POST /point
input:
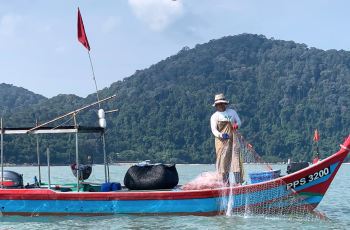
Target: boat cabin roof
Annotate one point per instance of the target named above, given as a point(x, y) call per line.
point(54, 130)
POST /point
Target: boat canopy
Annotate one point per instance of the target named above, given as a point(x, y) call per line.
point(43, 129)
point(54, 130)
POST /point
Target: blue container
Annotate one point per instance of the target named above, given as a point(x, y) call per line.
point(107, 187)
point(264, 176)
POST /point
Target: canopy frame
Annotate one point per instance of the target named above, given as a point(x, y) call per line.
point(55, 130)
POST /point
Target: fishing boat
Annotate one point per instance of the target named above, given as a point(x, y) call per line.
point(303, 189)
point(298, 191)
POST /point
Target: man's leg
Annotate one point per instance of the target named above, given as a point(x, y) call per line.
point(226, 178)
point(238, 177)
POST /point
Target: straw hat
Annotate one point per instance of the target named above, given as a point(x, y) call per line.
point(219, 98)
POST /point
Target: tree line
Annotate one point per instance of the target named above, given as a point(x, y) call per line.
point(281, 90)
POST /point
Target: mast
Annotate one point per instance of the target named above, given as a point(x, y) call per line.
point(48, 166)
point(82, 38)
point(37, 152)
point(76, 151)
point(105, 156)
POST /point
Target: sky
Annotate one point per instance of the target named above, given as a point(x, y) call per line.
point(39, 49)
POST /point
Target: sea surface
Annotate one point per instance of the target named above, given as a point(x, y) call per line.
point(335, 205)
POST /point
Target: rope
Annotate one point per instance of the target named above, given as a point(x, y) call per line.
point(93, 74)
point(65, 121)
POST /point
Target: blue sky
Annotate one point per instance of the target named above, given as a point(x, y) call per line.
point(39, 49)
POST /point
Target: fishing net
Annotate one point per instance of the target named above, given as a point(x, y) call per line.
point(206, 180)
point(87, 149)
point(251, 198)
point(84, 171)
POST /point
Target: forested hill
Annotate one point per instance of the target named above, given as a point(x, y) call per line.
point(281, 90)
point(13, 99)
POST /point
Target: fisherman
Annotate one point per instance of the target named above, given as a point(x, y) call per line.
point(224, 125)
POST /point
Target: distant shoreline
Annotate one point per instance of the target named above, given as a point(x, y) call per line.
point(128, 164)
point(114, 164)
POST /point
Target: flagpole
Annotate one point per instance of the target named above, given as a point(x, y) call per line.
point(103, 136)
point(83, 40)
point(93, 74)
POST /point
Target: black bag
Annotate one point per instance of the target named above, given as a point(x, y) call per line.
point(294, 167)
point(150, 177)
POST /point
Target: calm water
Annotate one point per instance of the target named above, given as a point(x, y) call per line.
point(335, 206)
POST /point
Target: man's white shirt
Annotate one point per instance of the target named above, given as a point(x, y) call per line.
point(227, 115)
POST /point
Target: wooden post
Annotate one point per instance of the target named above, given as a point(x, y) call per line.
point(112, 111)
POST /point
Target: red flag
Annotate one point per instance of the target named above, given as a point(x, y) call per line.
point(81, 32)
point(317, 137)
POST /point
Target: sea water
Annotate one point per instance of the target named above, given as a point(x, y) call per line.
point(335, 205)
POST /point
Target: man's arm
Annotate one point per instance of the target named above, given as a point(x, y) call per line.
point(235, 119)
point(214, 125)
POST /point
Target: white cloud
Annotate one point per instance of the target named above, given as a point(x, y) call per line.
point(8, 24)
point(111, 23)
point(157, 14)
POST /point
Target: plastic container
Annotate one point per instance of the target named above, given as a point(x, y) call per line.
point(103, 123)
point(108, 187)
point(264, 176)
point(101, 113)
